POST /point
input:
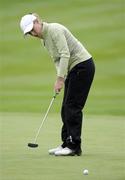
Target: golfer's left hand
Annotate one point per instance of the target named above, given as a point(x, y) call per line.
point(59, 84)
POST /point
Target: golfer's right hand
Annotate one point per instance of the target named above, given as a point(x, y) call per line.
point(59, 84)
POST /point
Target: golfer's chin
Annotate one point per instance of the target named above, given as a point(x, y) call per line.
point(38, 36)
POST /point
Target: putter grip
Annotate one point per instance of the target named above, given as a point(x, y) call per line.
point(55, 95)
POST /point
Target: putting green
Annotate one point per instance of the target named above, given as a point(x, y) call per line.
point(103, 149)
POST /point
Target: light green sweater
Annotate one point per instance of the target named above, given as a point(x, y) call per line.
point(63, 47)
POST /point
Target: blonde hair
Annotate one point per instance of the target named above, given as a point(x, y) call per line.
point(37, 16)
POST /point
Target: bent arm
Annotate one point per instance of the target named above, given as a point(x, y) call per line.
point(64, 54)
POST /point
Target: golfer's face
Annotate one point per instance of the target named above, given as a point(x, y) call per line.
point(36, 31)
point(33, 33)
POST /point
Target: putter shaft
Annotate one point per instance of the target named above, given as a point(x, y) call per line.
point(44, 118)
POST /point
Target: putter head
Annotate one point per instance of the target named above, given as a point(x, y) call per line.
point(32, 145)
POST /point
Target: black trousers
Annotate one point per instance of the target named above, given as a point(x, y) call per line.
point(77, 86)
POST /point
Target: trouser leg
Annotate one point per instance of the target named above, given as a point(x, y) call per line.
point(64, 133)
point(77, 87)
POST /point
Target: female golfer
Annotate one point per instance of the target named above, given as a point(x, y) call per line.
point(75, 71)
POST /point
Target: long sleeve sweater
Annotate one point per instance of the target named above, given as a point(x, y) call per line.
point(65, 50)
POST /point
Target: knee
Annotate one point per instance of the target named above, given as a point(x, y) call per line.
point(72, 108)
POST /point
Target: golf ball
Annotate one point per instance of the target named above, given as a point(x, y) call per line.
point(85, 172)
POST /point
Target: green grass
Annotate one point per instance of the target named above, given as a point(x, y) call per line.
point(27, 76)
point(27, 73)
point(103, 149)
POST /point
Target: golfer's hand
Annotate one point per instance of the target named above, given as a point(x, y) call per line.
point(59, 84)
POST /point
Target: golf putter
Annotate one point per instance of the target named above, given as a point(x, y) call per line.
point(34, 144)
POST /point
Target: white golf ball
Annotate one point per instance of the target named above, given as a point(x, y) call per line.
point(85, 172)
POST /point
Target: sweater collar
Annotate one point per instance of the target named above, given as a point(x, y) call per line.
point(44, 30)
